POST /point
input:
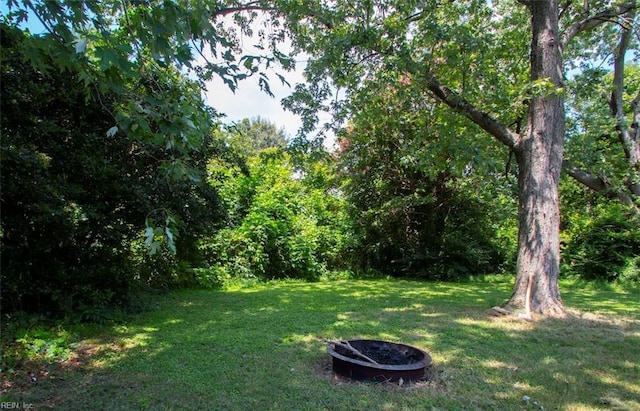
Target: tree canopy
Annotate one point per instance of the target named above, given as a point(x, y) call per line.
point(249, 136)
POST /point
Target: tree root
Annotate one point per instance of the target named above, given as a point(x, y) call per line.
point(550, 311)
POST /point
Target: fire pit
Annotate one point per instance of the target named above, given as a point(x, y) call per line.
point(377, 360)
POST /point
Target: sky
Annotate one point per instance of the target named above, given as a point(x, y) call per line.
point(249, 101)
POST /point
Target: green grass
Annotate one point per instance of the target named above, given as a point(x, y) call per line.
point(261, 348)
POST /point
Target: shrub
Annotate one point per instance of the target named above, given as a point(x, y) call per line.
point(603, 243)
point(284, 224)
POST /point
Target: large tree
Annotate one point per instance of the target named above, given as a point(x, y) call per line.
point(472, 57)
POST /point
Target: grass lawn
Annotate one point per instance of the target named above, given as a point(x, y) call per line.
point(262, 348)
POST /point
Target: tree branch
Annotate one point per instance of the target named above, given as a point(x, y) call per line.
point(617, 102)
point(60, 39)
point(251, 6)
point(596, 20)
point(585, 178)
point(628, 135)
point(443, 93)
point(599, 185)
point(494, 127)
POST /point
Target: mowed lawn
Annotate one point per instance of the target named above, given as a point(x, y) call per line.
point(263, 348)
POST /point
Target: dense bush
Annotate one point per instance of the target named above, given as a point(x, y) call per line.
point(425, 190)
point(284, 221)
point(412, 221)
point(435, 230)
point(75, 198)
point(602, 242)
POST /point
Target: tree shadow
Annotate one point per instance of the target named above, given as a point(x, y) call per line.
point(264, 348)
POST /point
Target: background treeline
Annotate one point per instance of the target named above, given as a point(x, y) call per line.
point(82, 201)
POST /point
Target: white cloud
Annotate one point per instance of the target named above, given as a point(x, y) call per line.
point(249, 101)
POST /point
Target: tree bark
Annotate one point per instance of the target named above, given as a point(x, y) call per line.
point(539, 154)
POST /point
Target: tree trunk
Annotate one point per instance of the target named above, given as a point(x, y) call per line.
point(539, 155)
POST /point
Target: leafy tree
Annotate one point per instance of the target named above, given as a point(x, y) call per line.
point(418, 202)
point(127, 61)
point(75, 198)
point(285, 221)
point(602, 145)
point(599, 239)
point(117, 47)
point(472, 58)
point(594, 142)
point(600, 234)
point(252, 135)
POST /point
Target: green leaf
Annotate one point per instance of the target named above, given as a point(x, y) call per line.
point(112, 131)
point(148, 234)
point(248, 63)
point(170, 242)
point(81, 45)
point(107, 57)
point(283, 80)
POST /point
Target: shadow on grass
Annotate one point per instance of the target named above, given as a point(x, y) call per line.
point(263, 348)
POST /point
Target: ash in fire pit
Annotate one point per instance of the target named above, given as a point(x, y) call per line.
point(378, 360)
